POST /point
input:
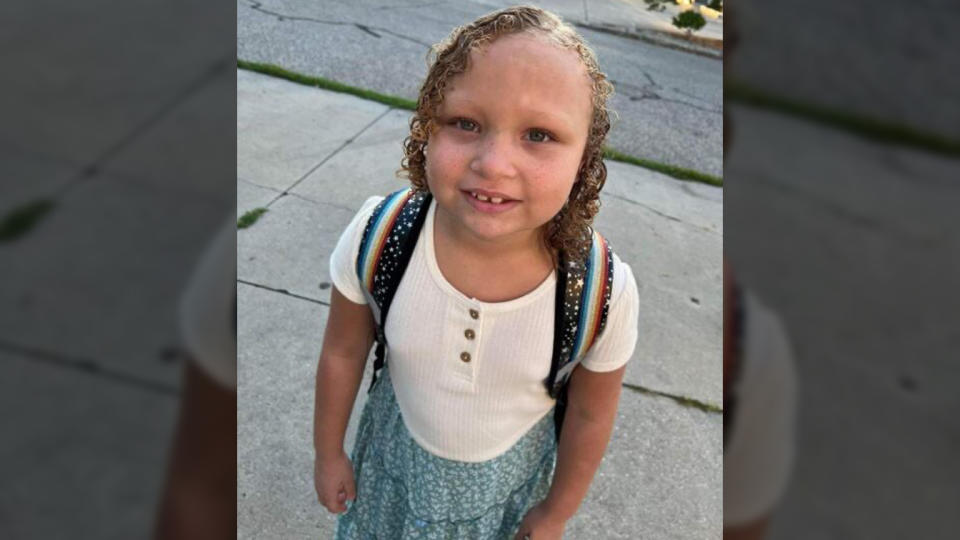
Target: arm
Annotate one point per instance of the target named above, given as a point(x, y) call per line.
point(591, 410)
point(346, 343)
point(200, 495)
point(751, 531)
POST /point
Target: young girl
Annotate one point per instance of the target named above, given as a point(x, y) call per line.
point(457, 438)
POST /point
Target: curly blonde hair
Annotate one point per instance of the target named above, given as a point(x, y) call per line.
point(569, 231)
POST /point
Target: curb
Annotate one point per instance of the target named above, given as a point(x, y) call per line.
point(654, 37)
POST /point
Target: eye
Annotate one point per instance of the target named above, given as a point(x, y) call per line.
point(466, 125)
point(539, 135)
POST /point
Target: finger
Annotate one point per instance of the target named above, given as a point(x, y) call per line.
point(351, 488)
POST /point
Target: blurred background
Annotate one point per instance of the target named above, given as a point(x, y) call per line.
point(840, 186)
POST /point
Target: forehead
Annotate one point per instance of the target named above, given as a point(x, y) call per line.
point(526, 70)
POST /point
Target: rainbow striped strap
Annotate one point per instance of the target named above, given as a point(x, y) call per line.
point(386, 246)
point(586, 302)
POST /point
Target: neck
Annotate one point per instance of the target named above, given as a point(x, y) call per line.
point(521, 243)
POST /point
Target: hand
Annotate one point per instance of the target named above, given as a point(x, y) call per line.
point(333, 480)
point(539, 524)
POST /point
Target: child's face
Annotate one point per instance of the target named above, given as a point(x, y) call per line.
point(514, 125)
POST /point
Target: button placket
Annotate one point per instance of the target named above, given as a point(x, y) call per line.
point(469, 342)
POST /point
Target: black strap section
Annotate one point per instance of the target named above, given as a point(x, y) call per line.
point(566, 320)
point(390, 273)
point(559, 314)
point(738, 333)
point(560, 410)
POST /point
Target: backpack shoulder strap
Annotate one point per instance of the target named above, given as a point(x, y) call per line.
point(388, 240)
point(735, 367)
point(580, 315)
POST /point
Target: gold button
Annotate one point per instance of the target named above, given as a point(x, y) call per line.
point(465, 356)
point(469, 333)
point(474, 313)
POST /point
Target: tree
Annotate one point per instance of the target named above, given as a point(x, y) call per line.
point(716, 4)
point(690, 21)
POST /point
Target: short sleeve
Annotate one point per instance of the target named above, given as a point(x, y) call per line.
point(759, 454)
point(343, 260)
point(208, 309)
point(619, 338)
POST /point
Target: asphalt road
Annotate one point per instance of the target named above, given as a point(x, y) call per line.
point(669, 102)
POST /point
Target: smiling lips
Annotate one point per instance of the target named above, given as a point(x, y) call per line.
point(489, 202)
point(489, 197)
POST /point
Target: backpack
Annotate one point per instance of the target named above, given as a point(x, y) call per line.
point(582, 294)
point(730, 398)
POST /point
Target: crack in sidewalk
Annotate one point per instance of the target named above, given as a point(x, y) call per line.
point(284, 292)
point(648, 92)
point(367, 29)
point(661, 214)
point(88, 366)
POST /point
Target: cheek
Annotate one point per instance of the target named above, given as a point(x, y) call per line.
point(444, 161)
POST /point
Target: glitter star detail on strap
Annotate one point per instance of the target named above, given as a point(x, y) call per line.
point(586, 301)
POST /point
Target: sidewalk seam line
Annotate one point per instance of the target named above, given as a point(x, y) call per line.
point(87, 366)
point(661, 214)
point(328, 158)
point(134, 134)
point(283, 292)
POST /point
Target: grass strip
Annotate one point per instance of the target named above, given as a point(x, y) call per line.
point(679, 173)
point(685, 401)
point(870, 128)
point(250, 217)
point(21, 220)
point(327, 84)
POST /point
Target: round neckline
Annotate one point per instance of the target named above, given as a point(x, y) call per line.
point(446, 286)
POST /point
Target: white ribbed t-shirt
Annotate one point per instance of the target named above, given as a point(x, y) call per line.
point(475, 410)
point(760, 451)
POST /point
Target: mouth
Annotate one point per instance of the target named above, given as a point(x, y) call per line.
point(489, 202)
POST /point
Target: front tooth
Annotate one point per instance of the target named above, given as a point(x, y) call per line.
point(482, 197)
point(496, 200)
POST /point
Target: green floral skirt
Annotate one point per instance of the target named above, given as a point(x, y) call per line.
point(405, 492)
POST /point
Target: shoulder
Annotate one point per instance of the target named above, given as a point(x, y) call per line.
point(759, 455)
point(624, 288)
point(367, 208)
point(768, 355)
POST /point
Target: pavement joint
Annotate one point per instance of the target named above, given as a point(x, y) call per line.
point(13, 224)
point(88, 366)
point(254, 184)
point(284, 292)
point(324, 203)
point(92, 168)
point(659, 213)
point(335, 152)
point(680, 400)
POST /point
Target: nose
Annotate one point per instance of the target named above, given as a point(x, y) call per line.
point(495, 157)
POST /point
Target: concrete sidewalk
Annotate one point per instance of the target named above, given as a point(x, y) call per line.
point(669, 102)
point(311, 157)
